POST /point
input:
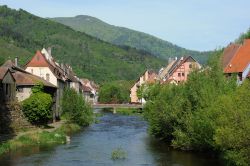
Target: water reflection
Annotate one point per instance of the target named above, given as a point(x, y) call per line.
point(93, 147)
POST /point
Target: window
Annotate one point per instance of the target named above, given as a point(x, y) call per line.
point(32, 71)
point(20, 90)
point(183, 74)
point(190, 66)
point(179, 74)
point(47, 77)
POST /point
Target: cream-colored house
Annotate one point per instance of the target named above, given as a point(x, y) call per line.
point(146, 78)
point(43, 65)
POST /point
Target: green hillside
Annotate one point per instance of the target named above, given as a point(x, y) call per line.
point(128, 37)
point(22, 33)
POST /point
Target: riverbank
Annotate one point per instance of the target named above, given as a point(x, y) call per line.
point(54, 134)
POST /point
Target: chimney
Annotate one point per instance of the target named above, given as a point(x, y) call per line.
point(182, 58)
point(49, 50)
point(16, 61)
point(176, 58)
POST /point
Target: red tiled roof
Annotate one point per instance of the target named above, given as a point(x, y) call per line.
point(228, 54)
point(39, 60)
point(240, 60)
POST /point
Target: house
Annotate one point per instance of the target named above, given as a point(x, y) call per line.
point(87, 94)
point(148, 77)
point(90, 90)
point(178, 70)
point(23, 81)
point(7, 85)
point(43, 65)
point(236, 60)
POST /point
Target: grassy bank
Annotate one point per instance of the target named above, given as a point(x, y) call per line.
point(40, 138)
point(128, 111)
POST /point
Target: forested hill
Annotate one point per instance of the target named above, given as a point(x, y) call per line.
point(22, 33)
point(128, 37)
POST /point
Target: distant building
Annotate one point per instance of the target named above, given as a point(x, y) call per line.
point(90, 90)
point(236, 60)
point(147, 77)
point(178, 70)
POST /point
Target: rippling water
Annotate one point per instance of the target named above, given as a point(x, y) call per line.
point(94, 145)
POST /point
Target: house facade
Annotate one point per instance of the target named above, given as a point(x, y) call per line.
point(43, 65)
point(237, 61)
point(177, 70)
point(147, 77)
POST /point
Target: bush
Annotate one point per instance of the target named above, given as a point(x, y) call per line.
point(207, 113)
point(75, 109)
point(118, 153)
point(37, 108)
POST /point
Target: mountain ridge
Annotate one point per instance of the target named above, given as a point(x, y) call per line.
point(124, 36)
point(22, 32)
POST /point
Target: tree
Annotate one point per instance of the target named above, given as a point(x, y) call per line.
point(115, 92)
point(37, 108)
point(77, 110)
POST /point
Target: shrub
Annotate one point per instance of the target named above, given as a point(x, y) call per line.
point(37, 108)
point(118, 153)
point(75, 109)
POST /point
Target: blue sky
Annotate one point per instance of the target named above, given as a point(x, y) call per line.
point(192, 24)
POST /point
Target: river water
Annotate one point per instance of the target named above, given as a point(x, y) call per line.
point(94, 145)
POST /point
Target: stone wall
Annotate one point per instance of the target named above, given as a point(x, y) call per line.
point(12, 118)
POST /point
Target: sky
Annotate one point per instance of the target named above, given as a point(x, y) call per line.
point(193, 24)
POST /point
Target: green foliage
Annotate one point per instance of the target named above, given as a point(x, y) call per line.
point(128, 111)
point(21, 34)
point(40, 138)
point(232, 133)
point(127, 37)
point(207, 113)
point(243, 36)
point(118, 153)
point(37, 108)
point(75, 109)
point(115, 92)
point(1, 60)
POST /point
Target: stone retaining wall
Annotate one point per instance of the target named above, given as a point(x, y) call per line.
point(12, 118)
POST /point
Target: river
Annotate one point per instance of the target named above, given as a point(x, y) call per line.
point(94, 145)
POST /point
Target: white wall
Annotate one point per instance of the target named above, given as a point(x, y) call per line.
point(245, 72)
point(41, 72)
point(26, 92)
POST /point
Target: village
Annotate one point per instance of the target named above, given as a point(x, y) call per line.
point(17, 82)
point(235, 61)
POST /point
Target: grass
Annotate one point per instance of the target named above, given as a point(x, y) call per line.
point(41, 138)
point(128, 111)
point(118, 153)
